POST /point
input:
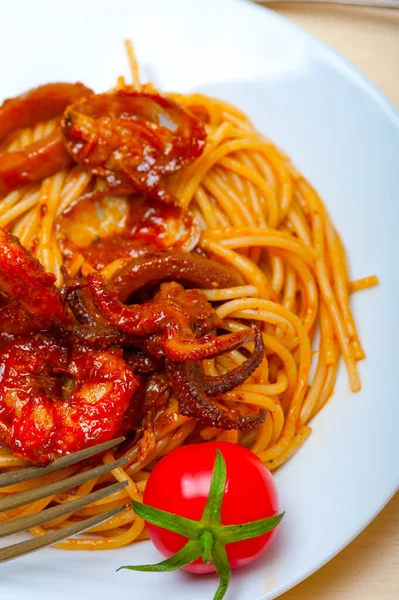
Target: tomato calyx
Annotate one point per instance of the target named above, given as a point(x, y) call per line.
point(207, 538)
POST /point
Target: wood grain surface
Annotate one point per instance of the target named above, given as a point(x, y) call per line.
point(368, 569)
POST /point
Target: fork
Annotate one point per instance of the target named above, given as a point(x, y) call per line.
point(21, 524)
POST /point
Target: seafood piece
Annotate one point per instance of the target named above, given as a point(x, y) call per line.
point(191, 270)
point(105, 226)
point(194, 402)
point(33, 163)
point(36, 421)
point(177, 340)
point(132, 137)
point(25, 284)
point(193, 306)
point(46, 156)
point(142, 363)
point(192, 388)
point(88, 327)
point(39, 104)
point(220, 384)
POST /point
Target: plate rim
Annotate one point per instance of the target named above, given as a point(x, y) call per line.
point(347, 70)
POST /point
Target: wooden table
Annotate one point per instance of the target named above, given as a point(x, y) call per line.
point(368, 569)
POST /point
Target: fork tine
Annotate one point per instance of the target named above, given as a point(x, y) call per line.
point(14, 501)
point(23, 548)
point(24, 523)
point(7, 479)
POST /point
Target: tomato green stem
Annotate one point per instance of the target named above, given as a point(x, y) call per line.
point(222, 566)
point(191, 551)
point(247, 531)
point(186, 527)
point(207, 543)
point(207, 538)
point(213, 506)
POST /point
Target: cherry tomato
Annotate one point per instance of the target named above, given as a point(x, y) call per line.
point(180, 484)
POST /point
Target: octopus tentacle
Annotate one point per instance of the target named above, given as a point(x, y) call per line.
point(33, 163)
point(221, 384)
point(193, 402)
point(39, 104)
point(188, 269)
point(43, 157)
point(177, 340)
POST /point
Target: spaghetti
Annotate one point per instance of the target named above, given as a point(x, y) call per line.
point(261, 218)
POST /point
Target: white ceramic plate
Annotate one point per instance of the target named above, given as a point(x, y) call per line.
point(344, 136)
